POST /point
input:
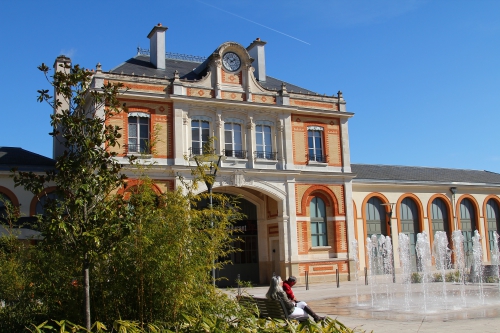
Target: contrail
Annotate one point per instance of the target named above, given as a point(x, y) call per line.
point(300, 40)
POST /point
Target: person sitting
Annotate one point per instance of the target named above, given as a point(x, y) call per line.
point(276, 292)
point(287, 288)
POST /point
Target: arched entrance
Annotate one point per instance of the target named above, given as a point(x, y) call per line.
point(244, 262)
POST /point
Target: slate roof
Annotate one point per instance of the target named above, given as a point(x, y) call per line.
point(24, 160)
point(140, 65)
point(422, 174)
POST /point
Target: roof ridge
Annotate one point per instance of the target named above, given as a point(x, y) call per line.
point(420, 167)
point(286, 82)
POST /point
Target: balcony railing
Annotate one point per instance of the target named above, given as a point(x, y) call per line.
point(320, 158)
point(200, 151)
point(235, 153)
point(138, 148)
point(265, 155)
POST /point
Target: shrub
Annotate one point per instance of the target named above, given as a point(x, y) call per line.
point(416, 277)
point(437, 277)
point(452, 276)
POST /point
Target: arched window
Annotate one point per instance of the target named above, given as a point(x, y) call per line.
point(40, 205)
point(439, 216)
point(468, 225)
point(409, 225)
point(318, 222)
point(493, 218)
point(3, 209)
point(375, 218)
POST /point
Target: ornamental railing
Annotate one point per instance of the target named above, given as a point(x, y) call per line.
point(138, 148)
point(265, 155)
point(200, 151)
point(174, 56)
point(235, 153)
point(317, 158)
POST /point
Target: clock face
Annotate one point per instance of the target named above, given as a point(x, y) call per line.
point(231, 61)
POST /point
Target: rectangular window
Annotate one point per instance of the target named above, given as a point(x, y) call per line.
point(200, 132)
point(263, 144)
point(317, 210)
point(318, 233)
point(233, 141)
point(138, 135)
point(315, 145)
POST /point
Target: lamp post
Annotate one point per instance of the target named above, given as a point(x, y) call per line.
point(390, 205)
point(209, 180)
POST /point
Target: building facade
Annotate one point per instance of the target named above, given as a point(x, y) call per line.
point(286, 153)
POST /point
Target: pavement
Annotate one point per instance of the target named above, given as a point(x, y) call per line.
point(350, 304)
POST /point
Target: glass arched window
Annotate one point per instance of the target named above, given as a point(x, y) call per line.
point(409, 225)
point(375, 218)
point(40, 205)
point(493, 218)
point(318, 222)
point(468, 226)
point(3, 209)
point(439, 216)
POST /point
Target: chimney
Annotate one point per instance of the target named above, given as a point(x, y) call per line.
point(256, 51)
point(157, 46)
point(60, 65)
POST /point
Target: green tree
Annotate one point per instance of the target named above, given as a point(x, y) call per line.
point(87, 219)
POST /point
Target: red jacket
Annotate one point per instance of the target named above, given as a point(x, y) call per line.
point(288, 290)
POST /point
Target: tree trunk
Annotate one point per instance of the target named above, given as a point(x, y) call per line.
point(86, 284)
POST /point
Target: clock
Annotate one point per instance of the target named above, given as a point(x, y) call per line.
point(231, 61)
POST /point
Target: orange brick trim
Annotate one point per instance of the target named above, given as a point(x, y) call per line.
point(331, 138)
point(234, 96)
point(340, 238)
point(36, 198)
point(197, 92)
point(10, 195)
point(334, 194)
point(273, 230)
point(263, 99)
point(131, 183)
point(451, 225)
point(138, 86)
point(485, 221)
point(232, 78)
point(168, 184)
point(311, 104)
point(303, 237)
point(323, 268)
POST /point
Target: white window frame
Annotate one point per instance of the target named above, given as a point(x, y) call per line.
point(136, 148)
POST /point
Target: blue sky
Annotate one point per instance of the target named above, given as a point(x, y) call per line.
point(422, 77)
